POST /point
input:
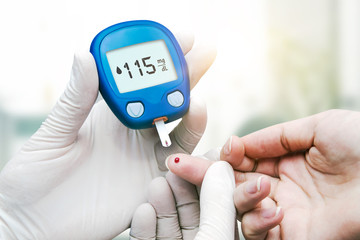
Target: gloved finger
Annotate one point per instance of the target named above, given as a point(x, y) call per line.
point(143, 224)
point(187, 133)
point(256, 223)
point(217, 216)
point(199, 59)
point(161, 198)
point(212, 154)
point(187, 205)
point(190, 168)
point(186, 40)
point(249, 194)
point(69, 113)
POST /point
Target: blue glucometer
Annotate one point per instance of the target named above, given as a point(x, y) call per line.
point(143, 76)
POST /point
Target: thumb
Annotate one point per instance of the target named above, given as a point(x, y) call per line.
point(71, 110)
point(31, 173)
point(217, 210)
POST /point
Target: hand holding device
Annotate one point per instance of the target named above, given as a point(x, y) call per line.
point(83, 173)
point(173, 210)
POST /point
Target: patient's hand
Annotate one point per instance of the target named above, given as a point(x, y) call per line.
point(313, 174)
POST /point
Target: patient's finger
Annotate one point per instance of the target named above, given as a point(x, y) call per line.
point(190, 168)
point(242, 178)
point(281, 139)
point(249, 194)
point(234, 152)
point(257, 223)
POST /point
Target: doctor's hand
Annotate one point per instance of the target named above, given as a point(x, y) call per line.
point(314, 169)
point(83, 173)
point(173, 210)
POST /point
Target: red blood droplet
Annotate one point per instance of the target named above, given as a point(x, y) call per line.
point(177, 160)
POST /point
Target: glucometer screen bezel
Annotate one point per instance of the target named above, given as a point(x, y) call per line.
point(142, 65)
point(132, 35)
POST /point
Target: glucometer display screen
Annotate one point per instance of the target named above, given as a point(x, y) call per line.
point(141, 66)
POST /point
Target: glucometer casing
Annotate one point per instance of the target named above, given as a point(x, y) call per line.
point(137, 109)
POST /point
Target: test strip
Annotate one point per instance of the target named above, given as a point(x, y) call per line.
point(163, 134)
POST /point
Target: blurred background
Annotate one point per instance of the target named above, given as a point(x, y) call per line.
point(277, 59)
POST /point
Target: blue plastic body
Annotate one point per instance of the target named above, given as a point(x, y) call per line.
point(154, 99)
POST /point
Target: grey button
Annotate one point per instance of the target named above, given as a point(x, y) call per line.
point(135, 109)
point(176, 99)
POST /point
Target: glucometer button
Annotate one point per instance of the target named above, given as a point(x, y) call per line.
point(176, 99)
point(135, 109)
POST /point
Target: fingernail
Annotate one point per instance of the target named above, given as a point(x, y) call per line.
point(227, 146)
point(253, 187)
point(277, 211)
point(258, 183)
point(166, 162)
point(271, 212)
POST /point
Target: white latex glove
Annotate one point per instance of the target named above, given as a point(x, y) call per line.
point(82, 174)
point(173, 209)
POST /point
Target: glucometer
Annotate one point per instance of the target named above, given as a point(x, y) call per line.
point(143, 76)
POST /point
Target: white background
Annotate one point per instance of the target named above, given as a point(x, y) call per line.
point(265, 66)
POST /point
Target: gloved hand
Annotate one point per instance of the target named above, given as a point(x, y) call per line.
point(83, 173)
point(173, 209)
point(255, 209)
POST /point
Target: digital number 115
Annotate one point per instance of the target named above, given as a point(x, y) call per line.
point(149, 66)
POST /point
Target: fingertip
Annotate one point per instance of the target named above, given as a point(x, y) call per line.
point(157, 187)
point(264, 185)
point(219, 169)
point(250, 193)
point(75, 104)
point(207, 49)
point(222, 170)
point(279, 213)
point(199, 60)
point(191, 169)
point(216, 203)
point(83, 56)
point(186, 40)
point(271, 217)
point(84, 79)
point(226, 149)
point(143, 213)
point(143, 224)
point(213, 154)
point(257, 223)
point(233, 151)
point(84, 70)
